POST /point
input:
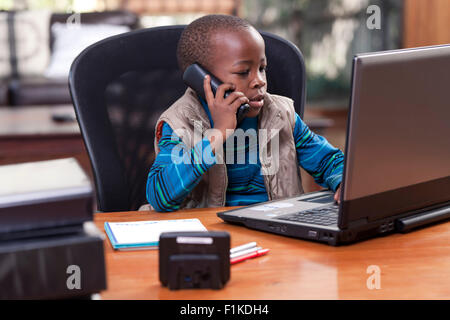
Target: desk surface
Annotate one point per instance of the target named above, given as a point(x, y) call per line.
point(28, 133)
point(36, 121)
point(413, 266)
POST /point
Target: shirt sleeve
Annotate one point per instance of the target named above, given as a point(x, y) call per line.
point(176, 170)
point(317, 156)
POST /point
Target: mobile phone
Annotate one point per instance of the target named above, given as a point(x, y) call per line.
point(193, 77)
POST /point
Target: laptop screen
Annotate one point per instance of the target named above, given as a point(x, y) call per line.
point(398, 142)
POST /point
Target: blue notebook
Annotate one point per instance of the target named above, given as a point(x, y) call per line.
point(139, 235)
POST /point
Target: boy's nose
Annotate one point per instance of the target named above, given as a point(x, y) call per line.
point(258, 82)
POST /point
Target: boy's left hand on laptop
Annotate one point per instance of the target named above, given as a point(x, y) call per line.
point(337, 195)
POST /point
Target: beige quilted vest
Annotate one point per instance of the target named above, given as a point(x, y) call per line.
point(277, 116)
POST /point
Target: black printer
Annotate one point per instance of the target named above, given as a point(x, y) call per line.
point(49, 246)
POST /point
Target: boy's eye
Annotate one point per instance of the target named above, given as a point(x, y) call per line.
point(243, 72)
point(262, 68)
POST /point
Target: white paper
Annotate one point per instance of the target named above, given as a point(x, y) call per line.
point(149, 231)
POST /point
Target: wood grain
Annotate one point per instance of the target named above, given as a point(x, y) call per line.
point(29, 134)
point(426, 23)
point(413, 266)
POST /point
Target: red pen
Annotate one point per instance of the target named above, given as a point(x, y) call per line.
point(249, 256)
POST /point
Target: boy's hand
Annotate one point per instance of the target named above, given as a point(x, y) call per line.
point(337, 195)
point(223, 110)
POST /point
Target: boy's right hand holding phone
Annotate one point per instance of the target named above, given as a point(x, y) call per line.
point(223, 110)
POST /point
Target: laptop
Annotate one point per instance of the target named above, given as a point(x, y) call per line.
point(397, 157)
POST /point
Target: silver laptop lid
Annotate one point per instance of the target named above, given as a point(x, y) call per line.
point(398, 139)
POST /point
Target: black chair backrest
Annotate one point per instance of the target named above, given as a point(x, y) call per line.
point(121, 85)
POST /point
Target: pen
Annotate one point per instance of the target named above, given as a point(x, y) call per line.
point(244, 252)
point(249, 256)
point(243, 247)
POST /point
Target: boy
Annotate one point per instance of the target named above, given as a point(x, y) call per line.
point(232, 50)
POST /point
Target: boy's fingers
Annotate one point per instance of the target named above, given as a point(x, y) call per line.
point(337, 195)
point(233, 96)
point(222, 89)
point(238, 102)
point(209, 95)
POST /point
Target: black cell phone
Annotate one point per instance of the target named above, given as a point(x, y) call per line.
point(193, 77)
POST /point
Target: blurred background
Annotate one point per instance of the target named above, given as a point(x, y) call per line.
point(328, 33)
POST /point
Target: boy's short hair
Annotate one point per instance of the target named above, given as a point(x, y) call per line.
point(194, 44)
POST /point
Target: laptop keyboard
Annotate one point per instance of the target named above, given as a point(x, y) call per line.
point(324, 216)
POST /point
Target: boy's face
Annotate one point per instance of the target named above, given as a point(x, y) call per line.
point(238, 57)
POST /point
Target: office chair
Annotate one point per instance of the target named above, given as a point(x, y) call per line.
point(121, 85)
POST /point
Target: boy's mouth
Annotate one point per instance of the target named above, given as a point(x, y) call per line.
point(257, 101)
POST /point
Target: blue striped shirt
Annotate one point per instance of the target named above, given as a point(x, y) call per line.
point(245, 181)
point(176, 170)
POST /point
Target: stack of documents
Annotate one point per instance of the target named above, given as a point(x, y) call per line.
point(138, 235)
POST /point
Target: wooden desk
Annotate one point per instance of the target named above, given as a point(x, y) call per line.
point(413, 266)
point(29, 134)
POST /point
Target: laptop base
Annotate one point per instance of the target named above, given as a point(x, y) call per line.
point(334, 236)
